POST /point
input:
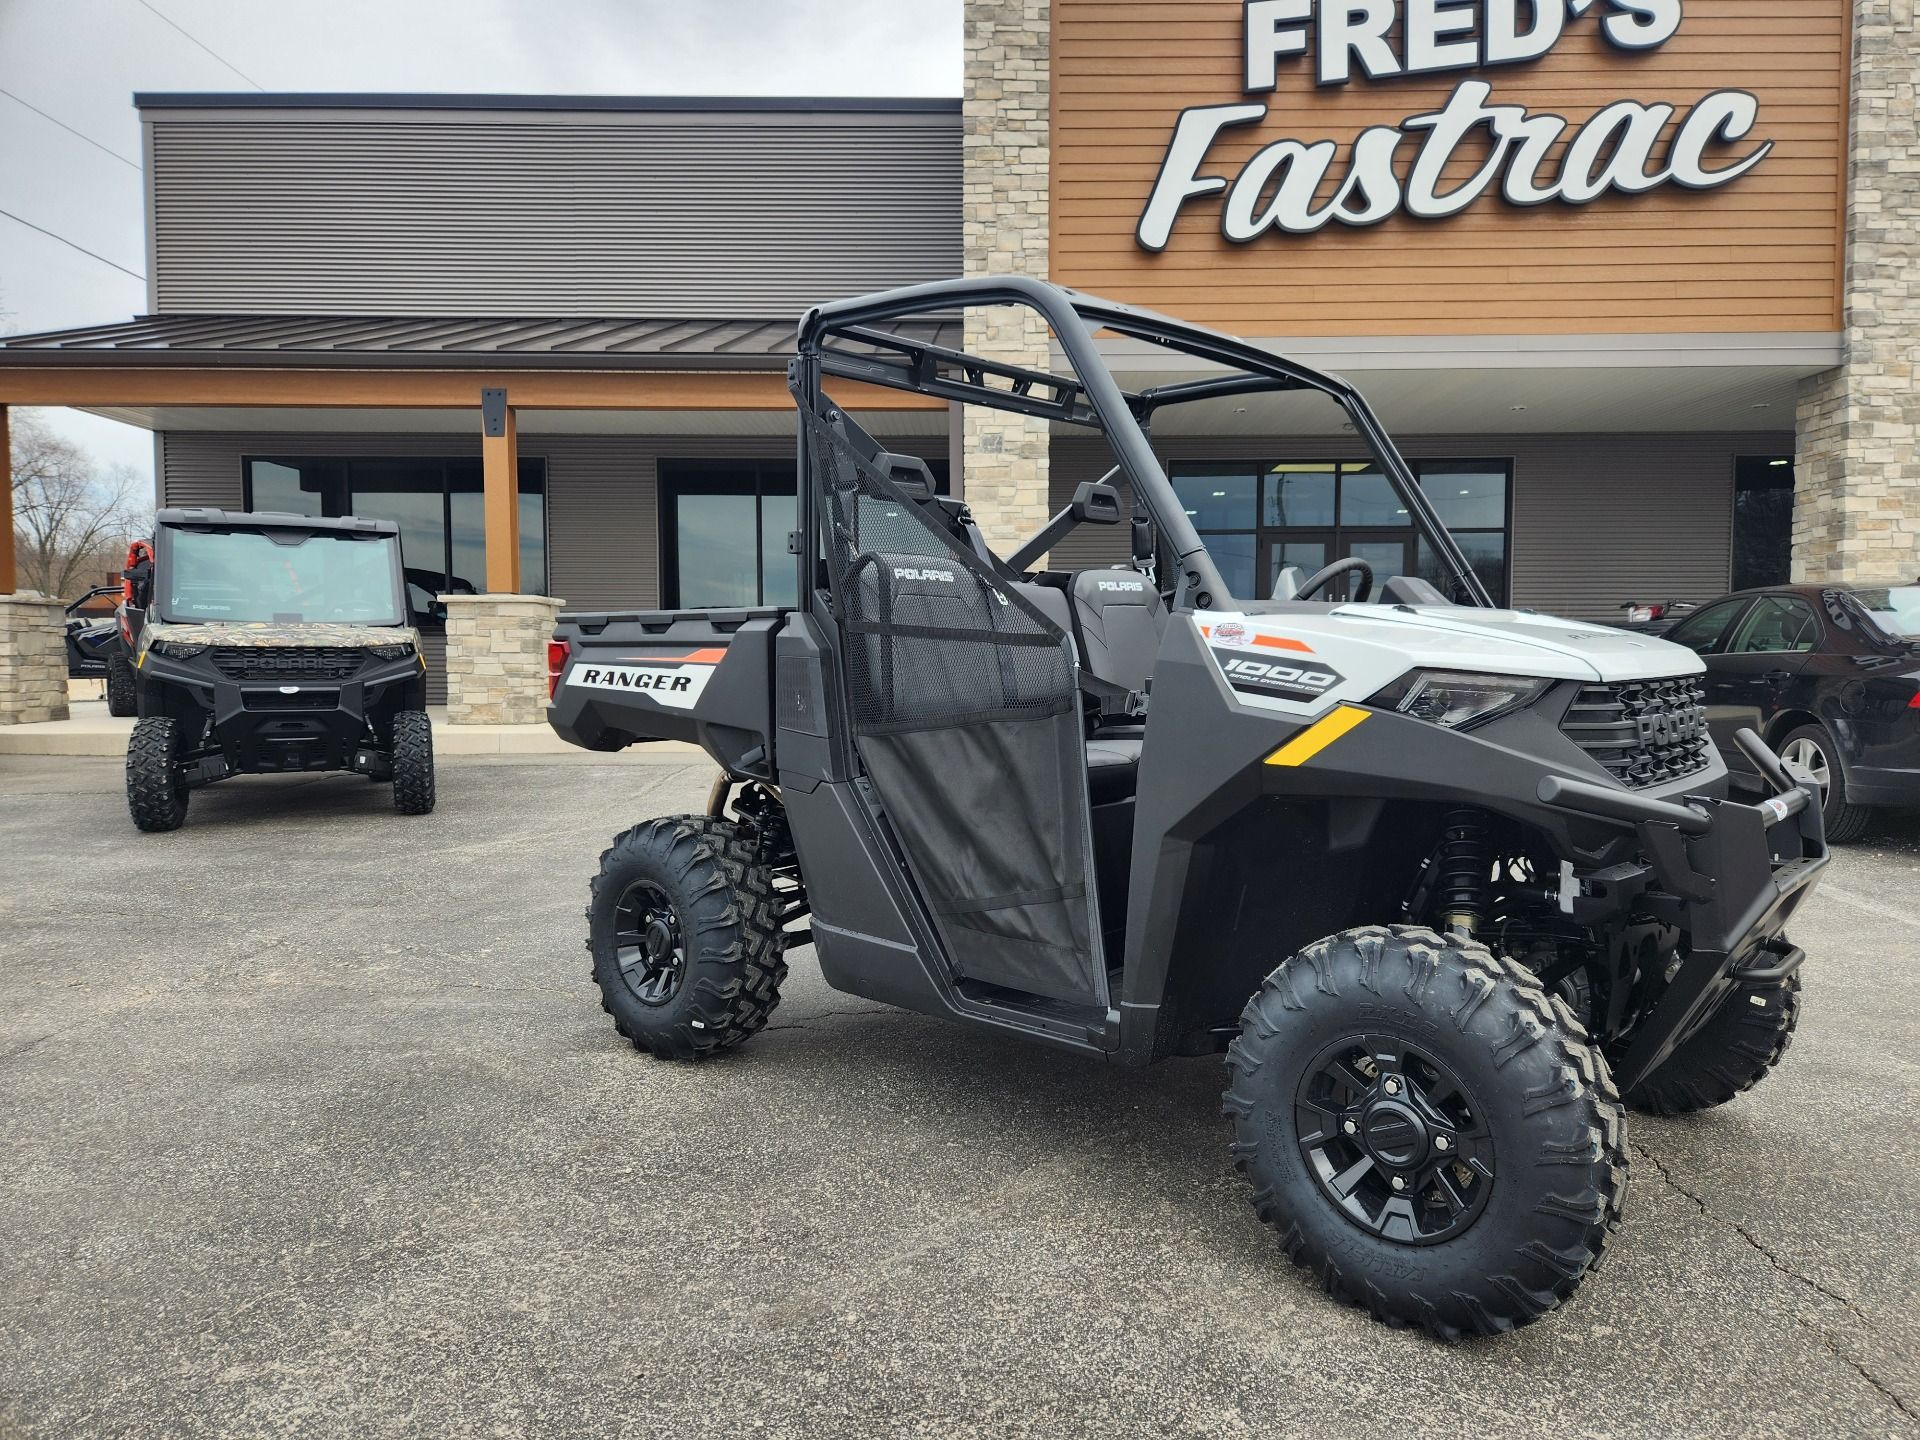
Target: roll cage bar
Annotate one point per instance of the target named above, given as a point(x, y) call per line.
point(1091, 399)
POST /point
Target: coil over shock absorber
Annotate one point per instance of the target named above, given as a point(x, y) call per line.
point(1465, 866)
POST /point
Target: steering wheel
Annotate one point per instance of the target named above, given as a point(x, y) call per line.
point(1318, 581)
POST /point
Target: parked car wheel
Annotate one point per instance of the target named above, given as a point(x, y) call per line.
point(1813, 750)
point(121, 697)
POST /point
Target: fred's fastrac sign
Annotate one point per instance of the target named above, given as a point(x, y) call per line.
point(1440, 161)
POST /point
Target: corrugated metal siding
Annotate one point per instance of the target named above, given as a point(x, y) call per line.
point(664, 216)
point(1597, 520)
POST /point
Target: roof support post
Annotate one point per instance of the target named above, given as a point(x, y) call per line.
point(500, 466)
point(9, 572)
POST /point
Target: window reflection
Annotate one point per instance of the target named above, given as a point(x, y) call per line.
point(439, 505)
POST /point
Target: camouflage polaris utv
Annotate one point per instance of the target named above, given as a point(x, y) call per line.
point(274, 644)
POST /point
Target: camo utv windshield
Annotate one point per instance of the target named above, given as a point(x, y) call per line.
point(280, 577)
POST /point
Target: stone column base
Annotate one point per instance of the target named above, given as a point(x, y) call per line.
point(497, 658)
point(33, 659)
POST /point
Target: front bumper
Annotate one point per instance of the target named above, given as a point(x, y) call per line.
point(266, 727)
point(1729, 875)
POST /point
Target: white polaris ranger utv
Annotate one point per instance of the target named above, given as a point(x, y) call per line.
point(1436, 877)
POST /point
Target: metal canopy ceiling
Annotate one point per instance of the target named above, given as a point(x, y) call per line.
point(444, 342)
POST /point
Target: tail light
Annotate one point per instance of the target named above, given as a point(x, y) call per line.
point(558, 652)
point(1914, 703)
point(1643, 614)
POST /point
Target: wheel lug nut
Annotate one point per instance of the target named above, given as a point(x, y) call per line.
point(1391, 1086)
point(1398, 1183)
point(1351, 1127)
point(1441, 1142)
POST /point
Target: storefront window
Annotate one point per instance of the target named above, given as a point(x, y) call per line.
point(1312, 512)
point(724, 527)
point(1219, 499)
point(438, 504)
point(1762, 521)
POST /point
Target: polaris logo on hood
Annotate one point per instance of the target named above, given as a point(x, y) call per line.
point(916, 572)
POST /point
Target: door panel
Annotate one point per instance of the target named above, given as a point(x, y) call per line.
point(1759, 673)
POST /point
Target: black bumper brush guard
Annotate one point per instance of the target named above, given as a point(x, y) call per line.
point(1720, 871)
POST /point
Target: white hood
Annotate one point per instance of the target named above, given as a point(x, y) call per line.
point(1376, 639)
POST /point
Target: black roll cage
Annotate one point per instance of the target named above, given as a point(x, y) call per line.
point(1092, 399)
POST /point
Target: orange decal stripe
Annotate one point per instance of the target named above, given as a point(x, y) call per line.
point(1282, 642)
point(692, 657)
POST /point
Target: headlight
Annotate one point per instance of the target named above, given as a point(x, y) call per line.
point(390, 652)
point(177, 649)
point(1459, 699)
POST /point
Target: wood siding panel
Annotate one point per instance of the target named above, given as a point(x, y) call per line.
point(1762, 253)
point(436, 213)
point(1597, 520)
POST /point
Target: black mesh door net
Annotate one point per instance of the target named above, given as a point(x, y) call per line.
point(966, 718)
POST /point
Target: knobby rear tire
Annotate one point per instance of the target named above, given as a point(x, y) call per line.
point(122, 693)
point(1545, 1094)
point(728, 916)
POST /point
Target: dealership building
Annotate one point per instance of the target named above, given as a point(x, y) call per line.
point(1631, 281)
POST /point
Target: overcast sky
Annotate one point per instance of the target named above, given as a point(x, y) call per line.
point(80, 61)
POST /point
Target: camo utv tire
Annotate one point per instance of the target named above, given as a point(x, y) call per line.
point(1432, 1136)
point(683, 925)
point(122, 697)
point(156, 797)
point(1726, 1057)
point(413, 782)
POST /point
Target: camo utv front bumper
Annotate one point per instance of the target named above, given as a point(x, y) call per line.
point(1729, 876)
point(279, 725)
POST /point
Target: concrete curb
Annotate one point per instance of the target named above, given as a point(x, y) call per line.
point(93, 732)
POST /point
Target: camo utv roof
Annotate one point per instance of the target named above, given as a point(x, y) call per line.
point(272, 519)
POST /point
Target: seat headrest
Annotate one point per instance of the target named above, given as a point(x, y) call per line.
point(1114, 587)
point(1411, 590)
point(912, 474)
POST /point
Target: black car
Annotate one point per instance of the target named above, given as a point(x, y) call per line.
point(1830, 676)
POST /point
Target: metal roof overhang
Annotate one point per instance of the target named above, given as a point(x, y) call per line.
point(161, 362)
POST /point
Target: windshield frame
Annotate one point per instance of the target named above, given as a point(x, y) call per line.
point(399, 617)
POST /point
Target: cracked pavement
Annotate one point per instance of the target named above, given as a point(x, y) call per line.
point(313, 1126)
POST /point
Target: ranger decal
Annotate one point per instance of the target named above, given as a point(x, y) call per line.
point(676, 684)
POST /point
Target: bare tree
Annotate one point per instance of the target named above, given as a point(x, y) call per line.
point(72, 516)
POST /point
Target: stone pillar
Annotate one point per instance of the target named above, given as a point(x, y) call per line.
point(33, 659)
point(1856, 511)
point(497, 658)
point(1005, 194)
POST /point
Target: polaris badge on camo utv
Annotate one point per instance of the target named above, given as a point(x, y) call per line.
point(1444, 882)
point(268, 644)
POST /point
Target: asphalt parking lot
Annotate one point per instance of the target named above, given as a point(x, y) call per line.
point(313, 1126)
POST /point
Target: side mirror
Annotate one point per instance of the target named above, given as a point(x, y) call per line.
point(1096, 503)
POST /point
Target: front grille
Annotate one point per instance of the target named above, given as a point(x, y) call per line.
point(1645, 732)
point(292, 662)
point(308, 699)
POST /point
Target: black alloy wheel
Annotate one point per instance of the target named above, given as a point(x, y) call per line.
point(1395, 1139)
point(648, 946)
